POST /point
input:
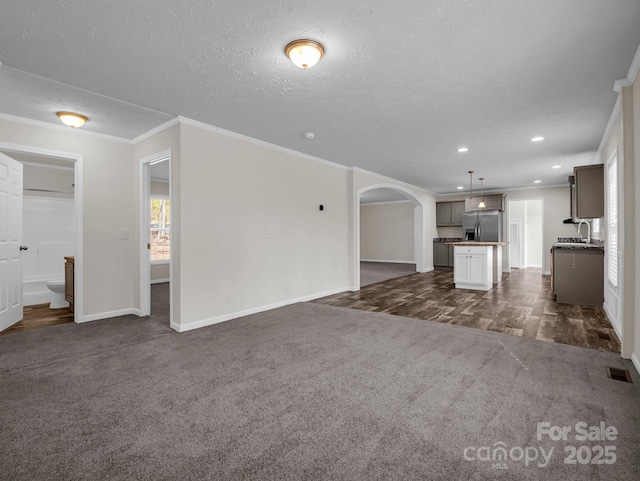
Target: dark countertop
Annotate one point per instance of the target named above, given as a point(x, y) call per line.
point(578, 246)
point(476, 244)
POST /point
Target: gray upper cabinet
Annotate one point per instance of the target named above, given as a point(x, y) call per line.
point(492, 202)
point(589, 191)
point(449, 214)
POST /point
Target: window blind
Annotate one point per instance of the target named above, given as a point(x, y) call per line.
point(612, 221)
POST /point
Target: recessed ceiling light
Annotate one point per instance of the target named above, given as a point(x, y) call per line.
point(537, 139)
point(309, 135)
point(556, 166)
point(460, 187)
point(463, 149)
point(537, 181)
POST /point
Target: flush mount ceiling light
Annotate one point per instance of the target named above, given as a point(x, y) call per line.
point(556, 166)
point(309, 135)
point(72, 119)
point(304, 53)
point(460, 187)
point(537, 139)
point(537, 181)
point(463, 149)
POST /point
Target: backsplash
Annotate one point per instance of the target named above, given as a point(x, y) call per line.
point(439, 240)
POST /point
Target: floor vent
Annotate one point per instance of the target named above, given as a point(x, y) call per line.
point(604, 335)
point(619, 374)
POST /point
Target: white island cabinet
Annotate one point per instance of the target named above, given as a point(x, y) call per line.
point(473, 267)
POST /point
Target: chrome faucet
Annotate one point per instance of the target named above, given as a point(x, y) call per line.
point(588, 230)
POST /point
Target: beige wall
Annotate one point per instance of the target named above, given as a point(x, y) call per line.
point(160, 188)
point(46, 178)
point(251, 231)
point(636, 210)
point(386, 232)
point(108, 207)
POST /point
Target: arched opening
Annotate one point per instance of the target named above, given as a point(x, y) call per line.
point(389, 232)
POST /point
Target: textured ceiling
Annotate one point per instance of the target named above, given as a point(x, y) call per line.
point(401, 86)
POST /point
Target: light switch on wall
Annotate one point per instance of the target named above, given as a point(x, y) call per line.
point(124, 234)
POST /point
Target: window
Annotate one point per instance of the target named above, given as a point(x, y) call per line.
point(160, 229)
point(612, 221)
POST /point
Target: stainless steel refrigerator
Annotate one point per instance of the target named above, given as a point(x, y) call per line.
point(482, 226)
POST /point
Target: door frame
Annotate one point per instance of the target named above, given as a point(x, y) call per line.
point(145, 235)
point(78, 173)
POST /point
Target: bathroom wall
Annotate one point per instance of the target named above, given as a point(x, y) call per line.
point(49, 233)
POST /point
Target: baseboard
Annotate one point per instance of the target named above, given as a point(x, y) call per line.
point(160, 281)
point(108, 315)
point(546, 273)
point(636, 362)
point(387, 262)
point(234, 315)
point(612, 320)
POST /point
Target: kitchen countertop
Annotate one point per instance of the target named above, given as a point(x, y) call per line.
point(473, 244)
point(577, 245)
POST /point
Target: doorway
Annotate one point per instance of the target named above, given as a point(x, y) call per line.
point(403, 254)
point(50, 229)
point(526, 233)
point(155, 228)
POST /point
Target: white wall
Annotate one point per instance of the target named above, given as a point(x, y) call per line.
point(251, 232)
point(386, 232)
point(108, 261)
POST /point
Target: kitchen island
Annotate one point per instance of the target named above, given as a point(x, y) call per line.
point(477, 265)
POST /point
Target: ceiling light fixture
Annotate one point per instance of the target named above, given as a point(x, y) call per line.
point(482, 205)
point(72, 119)
point(556, 166)
point(463, 149)
point(470, 184)
point(537, 181)
point(309, 135)
point(537, 139)
point(304, 53)
point(460, 187)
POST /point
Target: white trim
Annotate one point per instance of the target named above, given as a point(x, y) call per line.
point(47, 166)
point(636, 362)
point(634, 68)
point(615, 326)
point(462, 196)
point(386, 202)
point(160, 181)
point(388, 262)
point(391, 181)
point(160, 281)
point(156, 130)
point(61, 128)
point(608, 129)
point(108, 315)
point(251, 140)
point(145, 262)
point(78, 294)
point(546, 273)
point(618, 85)
point(234, 315)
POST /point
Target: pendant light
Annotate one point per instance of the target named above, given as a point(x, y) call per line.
point(470, 185)
point(482, 205)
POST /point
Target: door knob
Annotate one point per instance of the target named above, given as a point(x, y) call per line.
point(24, 248)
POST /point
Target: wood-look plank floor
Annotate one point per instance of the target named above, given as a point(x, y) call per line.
point(521, 305)
point(38, 316)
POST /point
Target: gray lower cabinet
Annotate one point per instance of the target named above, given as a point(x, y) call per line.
point(442, 255)
point(578, 276)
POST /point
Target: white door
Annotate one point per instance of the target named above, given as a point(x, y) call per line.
point(10, 241)
point(514, 244)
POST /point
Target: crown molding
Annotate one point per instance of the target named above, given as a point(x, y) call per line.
point(62, 128)
point(156, 130)
point(251, 140)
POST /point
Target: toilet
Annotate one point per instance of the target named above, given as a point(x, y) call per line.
point(57, 294)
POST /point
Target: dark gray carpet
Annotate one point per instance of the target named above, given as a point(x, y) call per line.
point(302, 392)
point(374, 272)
